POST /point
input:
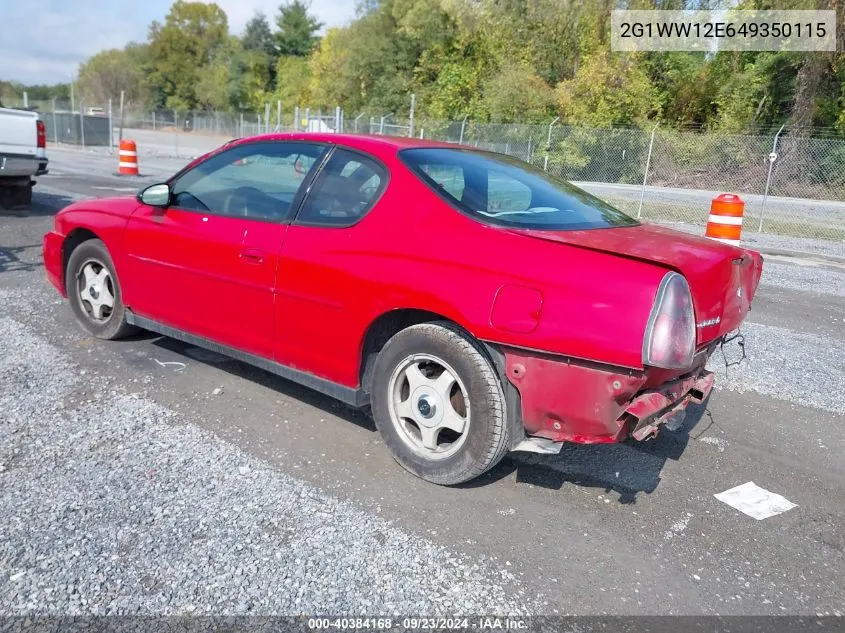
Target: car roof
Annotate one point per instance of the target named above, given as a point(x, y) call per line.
point(360, 141)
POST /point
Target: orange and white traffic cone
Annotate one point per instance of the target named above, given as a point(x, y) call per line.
point(725, 221)
point(128, 162)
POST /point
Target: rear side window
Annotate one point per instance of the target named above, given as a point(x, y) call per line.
point(500, 190)
point(450, 178)
point(345, 190)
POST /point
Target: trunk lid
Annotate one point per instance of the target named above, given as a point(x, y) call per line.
point(722, 278)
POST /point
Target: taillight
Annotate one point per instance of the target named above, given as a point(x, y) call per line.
point(670, 334)
point(42, 133)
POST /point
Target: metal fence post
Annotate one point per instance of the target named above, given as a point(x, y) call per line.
point(772, 158)
point(154, 120)
point(337, 119)
point(176, 133)
point(307, 119)
point(81, 123)
point(278, 115)
point(111, 130)
point(645, 175)
point(267, 118)
point(549, 143)
point(528, 154)
point(463, 127)
point(356, 122)
point(55, 124)
point(411, 124)
point(120, 137)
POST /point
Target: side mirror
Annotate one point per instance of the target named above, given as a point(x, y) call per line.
point(155, 195)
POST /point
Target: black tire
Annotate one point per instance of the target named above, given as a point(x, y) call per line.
point(114, 326)
point(487, 439)
point(16, 197)
point(24, 197)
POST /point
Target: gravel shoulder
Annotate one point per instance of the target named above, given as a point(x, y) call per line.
point(116, 505)
point(142, 460)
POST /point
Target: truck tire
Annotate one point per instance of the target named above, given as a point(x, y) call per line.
point(439, 405)
point(24, 196)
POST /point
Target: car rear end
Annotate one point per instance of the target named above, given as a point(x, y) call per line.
point(699, 304)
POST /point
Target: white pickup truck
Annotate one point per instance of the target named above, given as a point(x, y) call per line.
point(23, 155)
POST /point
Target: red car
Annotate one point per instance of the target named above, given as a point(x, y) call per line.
point(476, 304)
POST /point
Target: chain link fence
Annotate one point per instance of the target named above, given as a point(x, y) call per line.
point(793, 187)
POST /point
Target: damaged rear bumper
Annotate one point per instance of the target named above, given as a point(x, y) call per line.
point(667, 405)
point(564, 400)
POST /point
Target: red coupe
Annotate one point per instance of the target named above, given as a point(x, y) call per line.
point(476, 304)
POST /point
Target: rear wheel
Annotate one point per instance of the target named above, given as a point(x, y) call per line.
point(438, 404)
point(94, 292)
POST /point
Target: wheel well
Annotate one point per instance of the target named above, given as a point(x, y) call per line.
point(382, 329)
point(74, 239)
point(390, 323)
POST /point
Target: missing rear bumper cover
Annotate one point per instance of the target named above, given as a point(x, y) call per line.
point(667, 406)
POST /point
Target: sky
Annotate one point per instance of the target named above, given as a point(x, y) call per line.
point(45, 41)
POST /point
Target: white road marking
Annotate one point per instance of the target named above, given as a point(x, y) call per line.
point(179, 366)
point(756, 502)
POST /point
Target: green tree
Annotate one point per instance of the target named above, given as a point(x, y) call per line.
point(293, 86)
point(259, 39)
point(249, 79)
point(297, 33)
point(106, 74)
point(516, 93)
point(608, 90)
point(183, 48)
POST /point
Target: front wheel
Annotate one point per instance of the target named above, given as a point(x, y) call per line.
point(94, 292)
point(438, 404)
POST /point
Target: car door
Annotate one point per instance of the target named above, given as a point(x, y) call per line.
point(207, 263)
point(320, 281)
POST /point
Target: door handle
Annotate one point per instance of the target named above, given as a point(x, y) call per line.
point(252, 256)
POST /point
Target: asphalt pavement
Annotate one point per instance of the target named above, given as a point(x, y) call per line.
point(620, 529)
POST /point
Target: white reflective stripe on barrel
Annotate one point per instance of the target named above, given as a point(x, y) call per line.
point(730, 220)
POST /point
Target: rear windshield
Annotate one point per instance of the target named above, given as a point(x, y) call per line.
point(501, 190)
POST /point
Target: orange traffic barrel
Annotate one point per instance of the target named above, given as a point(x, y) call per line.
point(725, 221)
point(128, 161)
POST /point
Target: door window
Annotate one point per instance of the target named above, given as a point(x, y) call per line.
point(258, 181)
point(345, 190)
